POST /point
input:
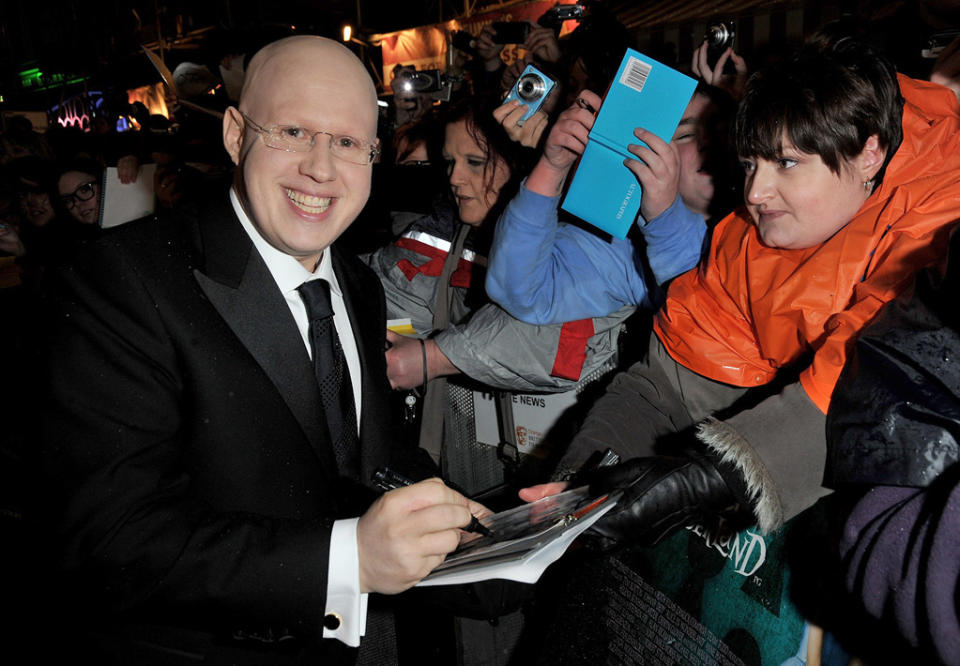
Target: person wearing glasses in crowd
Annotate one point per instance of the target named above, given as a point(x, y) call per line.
point(214, 498)
point(44, 234)
point(78, 187)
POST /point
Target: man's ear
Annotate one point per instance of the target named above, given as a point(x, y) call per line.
point(233, 130)
point(870, 158)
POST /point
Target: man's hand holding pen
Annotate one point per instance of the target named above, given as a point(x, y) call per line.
point(387, 479)
point(407, 532)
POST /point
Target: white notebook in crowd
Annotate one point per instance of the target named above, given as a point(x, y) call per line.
point(123, 202)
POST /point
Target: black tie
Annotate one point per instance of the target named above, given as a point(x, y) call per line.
point(333, 375)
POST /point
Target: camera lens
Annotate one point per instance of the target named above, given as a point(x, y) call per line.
point(530, 88)
point(420, 82)
point(719, 36)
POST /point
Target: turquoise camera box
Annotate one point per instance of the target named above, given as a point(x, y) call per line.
point(644, 93)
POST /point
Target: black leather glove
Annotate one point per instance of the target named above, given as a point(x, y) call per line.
point(664, 493)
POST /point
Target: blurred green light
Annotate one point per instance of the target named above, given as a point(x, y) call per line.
point(30, 77)
point(34, 79)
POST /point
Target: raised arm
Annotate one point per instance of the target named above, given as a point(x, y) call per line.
point(543, 272)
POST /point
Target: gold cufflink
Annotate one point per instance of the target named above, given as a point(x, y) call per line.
point(332, 621)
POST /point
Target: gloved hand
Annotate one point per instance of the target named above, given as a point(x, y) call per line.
point(664, 493)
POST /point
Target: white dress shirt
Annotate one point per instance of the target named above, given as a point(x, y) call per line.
point(343, 570)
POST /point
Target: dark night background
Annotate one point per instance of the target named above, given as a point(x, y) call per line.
point(99, 40)
point(96, 43)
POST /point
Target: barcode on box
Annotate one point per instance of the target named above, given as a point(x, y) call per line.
point(635, 74)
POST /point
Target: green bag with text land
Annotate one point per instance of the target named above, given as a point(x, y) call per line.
point(689, 600)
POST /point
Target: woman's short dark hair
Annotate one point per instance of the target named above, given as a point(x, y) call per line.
point(828, 99)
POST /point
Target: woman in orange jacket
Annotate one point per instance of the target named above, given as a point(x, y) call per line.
point(852, 186)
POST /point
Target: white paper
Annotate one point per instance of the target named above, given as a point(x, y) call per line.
point(526, 567)
point(121, 202)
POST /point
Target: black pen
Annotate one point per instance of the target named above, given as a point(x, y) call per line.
point(584, 104)
point(386, 479)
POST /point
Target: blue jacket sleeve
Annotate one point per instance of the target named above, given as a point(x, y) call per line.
point(543, 272)
point(674, 241)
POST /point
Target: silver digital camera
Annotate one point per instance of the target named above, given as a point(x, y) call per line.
point(720, 35)
point(532, 88)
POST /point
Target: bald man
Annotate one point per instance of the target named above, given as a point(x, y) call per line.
point(205, 512)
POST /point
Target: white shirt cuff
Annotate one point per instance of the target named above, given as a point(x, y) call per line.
point(344, 599)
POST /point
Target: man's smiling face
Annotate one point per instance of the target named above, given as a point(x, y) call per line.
point(301, 202)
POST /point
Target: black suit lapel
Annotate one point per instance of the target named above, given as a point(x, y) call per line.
point(240, 287)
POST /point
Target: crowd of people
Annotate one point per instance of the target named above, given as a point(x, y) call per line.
point(202, 396)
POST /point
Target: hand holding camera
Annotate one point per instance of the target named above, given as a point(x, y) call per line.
point(542, 43)
point(488, 50)
point(524, 112)
point(532, 89)
point(528, 132)
point(710, 60)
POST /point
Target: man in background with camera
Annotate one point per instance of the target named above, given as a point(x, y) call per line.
point(218, 397)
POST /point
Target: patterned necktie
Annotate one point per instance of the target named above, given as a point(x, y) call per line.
point(333, 376)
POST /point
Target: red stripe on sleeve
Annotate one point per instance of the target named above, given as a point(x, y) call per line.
point(572, 349)
point(434, 266)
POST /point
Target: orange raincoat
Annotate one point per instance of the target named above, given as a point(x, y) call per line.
point(749, 310)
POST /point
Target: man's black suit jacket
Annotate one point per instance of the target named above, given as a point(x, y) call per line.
point(185, 437)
